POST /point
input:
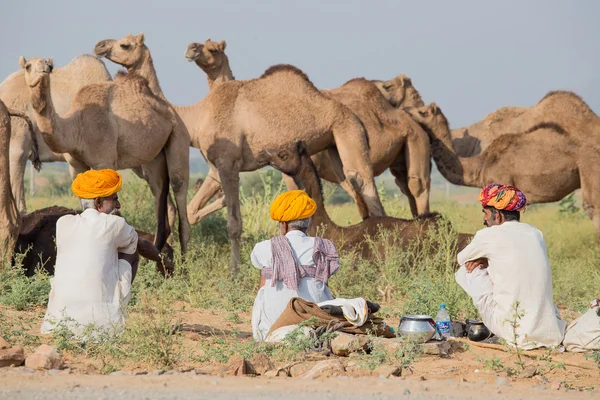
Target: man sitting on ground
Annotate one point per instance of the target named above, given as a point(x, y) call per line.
point(96, 258)
point(292, 264)
point(505, 264)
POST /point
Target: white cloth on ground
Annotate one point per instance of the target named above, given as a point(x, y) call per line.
point(518, 270)
point(90, 284)
point(583, 334)
point(355, 310)
point(272, 300)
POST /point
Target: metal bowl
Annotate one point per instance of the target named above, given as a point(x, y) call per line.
point(417, 326)
point(477, 331)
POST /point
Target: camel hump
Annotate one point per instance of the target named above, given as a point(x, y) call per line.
point(548, 125)
point(282, 68)
point(563, 93)
point(131, 78)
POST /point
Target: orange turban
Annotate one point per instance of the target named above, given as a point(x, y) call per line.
point(292, 205)
point(502, 197)
point(97, 183)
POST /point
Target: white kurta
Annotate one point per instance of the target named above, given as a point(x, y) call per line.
point(90, 284)
point(518, 271)
point(272, 300)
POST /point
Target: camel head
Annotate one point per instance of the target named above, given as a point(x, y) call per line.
point(36, 69)
point(287, 160)
point(430, 116)
point(207, 56)
point(400, 92)
point(129, 51)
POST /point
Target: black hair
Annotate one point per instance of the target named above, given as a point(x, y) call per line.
point(508, 215)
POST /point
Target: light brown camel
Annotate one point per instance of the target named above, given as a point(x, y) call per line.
point(65, 82)
point(564, 108)
point(239, 118)
point(395, 140)
point(10, 220)
point(296, 162)
point(211, 58)
point(400, 92)
point(118, 125)
point(546, 162)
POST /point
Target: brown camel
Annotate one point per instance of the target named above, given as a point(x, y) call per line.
point(10, 220)
point(546, 162)
point(118, 125)
point(395, 140)
point(400, 92)
point(564, 108)
point(296, 162)
point(239, 118)
point(65, 82)
point(36, 241)
point(211, 58)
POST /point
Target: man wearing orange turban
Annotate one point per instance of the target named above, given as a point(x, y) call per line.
point(96, 258)
point(507, 264)
point(292, 264)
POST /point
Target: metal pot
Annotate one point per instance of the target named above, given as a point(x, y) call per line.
point(477, 331)
point(420, 326)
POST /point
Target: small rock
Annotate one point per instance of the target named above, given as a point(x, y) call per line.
point(406, 392)
point(299, 369)
point(11, 356)
point(4, 344)
point(529, 371)
point(275, 373)
point(464, 380)
point(387, 371)
point(345, 343)
point(542, 387)
point(390, 345)
point(158, 372)
point(45, 357)
point(435, 348)
point(138, 373)
point(325, 369)
point(259, 364)
point(500, 381)
point(53, 372)
point(457, 329)
point(237, 366)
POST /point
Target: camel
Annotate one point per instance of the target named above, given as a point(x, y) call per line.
point(10, 220)
point(400, 92)
point(36, 241)
point(565, 108)
point(395, 140)
point(296, 162)
point(211, 58)
point(118, 125)
point(546, 162)
point(64, 84)
point(239, 118)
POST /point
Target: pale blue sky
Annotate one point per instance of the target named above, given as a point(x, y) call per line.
point(471, 57)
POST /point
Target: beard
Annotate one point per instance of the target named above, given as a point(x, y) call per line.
point(115, 211)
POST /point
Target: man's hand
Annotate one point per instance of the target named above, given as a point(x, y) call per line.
point(479, 263)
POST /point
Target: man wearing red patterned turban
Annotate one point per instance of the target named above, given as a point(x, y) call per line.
point(505, 265)
point(96, 259)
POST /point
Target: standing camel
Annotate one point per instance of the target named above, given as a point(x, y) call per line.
point(10, 220)
point(118, 125)
point(239, 118)
point(546, 162)
point(395, 140)
point(65, 82)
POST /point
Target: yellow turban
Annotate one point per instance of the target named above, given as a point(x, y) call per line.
point(97, 183)
point(292, 205)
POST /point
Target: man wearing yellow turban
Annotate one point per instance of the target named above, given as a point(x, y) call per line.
point(507, 264)
point(292, 264)
point(96, 258)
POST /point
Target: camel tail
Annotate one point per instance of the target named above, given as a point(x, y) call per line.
point(35, 156)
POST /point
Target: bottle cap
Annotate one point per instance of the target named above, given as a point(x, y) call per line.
point(442, 306)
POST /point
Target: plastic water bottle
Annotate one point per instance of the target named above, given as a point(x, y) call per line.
point(442, 320)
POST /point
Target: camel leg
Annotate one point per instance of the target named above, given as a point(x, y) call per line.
point(156, 175)
point(18, 162)
point(209, 188)
point(171, 211)
point(353, 149)
point(400, 174)
point(230, 180)
point(211, 208)
point(178, 165)
point(590, 189)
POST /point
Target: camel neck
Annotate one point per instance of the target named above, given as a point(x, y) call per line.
point(309, 178)
point(56, 133)
point(146, 70)
point(220, 75)
point(457, 170)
